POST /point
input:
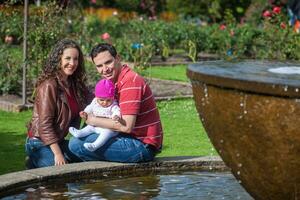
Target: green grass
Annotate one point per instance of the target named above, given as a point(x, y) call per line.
point(12, 133)
point(175, 73)
point(183, 134)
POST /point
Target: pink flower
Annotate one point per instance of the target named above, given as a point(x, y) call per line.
point(267, 14)
point(222, 27)
point(93, 1)
point(9, 39)
point(276, 9)
point(105, 36)
point(282, 25)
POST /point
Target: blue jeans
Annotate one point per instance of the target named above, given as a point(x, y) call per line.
point(121, 148)
point(41, 155)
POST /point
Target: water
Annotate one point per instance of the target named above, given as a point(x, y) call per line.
point(182, 185)
point(285, 70)
point(267, 72)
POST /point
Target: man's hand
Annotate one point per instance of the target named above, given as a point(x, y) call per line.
point(83, 115)
point(116, 118)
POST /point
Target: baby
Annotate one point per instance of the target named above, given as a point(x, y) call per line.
point(103, 105)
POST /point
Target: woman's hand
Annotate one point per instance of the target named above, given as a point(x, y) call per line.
point(59, 160)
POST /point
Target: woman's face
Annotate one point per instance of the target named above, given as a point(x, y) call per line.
point(69, 61)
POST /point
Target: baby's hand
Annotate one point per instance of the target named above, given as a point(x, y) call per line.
point(83, 115)
point(116, 118)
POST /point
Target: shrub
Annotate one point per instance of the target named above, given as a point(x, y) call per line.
point(10, 70)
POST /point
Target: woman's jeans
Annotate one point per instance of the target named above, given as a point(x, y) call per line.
point(121, 148)
point(41, 155)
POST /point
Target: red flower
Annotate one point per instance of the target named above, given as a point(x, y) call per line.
point(267, 14)
point(282, 25)
point(105, 36)
point(276, 9)
point(222, 27)
point(93, 1)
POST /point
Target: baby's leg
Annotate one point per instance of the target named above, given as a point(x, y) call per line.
point(104, 136)
point(78, 133)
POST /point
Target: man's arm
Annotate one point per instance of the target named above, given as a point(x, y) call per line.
point(125, 125)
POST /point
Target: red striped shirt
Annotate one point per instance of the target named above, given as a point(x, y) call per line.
point(135, 98)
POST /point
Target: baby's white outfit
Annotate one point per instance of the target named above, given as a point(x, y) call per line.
point(104, 134)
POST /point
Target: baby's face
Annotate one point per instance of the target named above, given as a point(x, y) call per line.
point(104, 102)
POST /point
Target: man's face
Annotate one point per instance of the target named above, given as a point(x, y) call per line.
point(107, 66)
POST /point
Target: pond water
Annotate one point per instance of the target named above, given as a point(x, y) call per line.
point(182, 185)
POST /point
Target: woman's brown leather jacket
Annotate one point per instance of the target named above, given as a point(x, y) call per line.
point(51, 113)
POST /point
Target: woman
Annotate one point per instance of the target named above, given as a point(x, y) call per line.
point(60, 94)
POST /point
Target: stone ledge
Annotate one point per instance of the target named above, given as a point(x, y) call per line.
point(13, 103)
point(12, 182)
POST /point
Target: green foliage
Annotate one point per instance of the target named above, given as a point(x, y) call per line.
point(42, 39)
point(230, 39)
point(141, 56)
point(10, 70)
point(212, 11)
point(127, 5)
point(11, 23)
point(47, 24)
point(192, 50)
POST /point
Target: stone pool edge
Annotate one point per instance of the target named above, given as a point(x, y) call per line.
point(12, 181)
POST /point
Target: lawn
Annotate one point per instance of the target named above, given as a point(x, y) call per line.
point(183, 134)
point(175, 73)
point(12, 133)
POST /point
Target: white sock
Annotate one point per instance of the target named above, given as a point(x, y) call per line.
point(104, 136)
point(78, 133)
point(90, 146)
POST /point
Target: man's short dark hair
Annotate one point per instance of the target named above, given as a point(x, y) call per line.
point(101, 47)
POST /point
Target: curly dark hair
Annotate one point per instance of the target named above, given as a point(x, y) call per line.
point(52, 67)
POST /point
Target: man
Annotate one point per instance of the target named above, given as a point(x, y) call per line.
point(140, 129)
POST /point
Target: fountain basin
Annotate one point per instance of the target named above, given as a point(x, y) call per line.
point(18, 182)
point(250, 112)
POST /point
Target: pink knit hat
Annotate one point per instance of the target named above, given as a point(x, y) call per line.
point(105, 89)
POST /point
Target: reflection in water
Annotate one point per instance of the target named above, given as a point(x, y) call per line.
point(285, 70)
point(182, 185)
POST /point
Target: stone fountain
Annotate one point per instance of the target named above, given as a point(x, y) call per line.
point(251, 113)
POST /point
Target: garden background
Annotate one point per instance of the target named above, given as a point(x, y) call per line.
point(144, 32)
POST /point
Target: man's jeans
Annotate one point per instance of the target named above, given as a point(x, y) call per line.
point(121, 148)
point(41, 155)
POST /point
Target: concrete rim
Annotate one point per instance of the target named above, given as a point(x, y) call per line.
point(12, 182)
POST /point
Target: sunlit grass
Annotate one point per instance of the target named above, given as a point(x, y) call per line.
point(184, 134)
point(175, 73)
point(12, 133)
